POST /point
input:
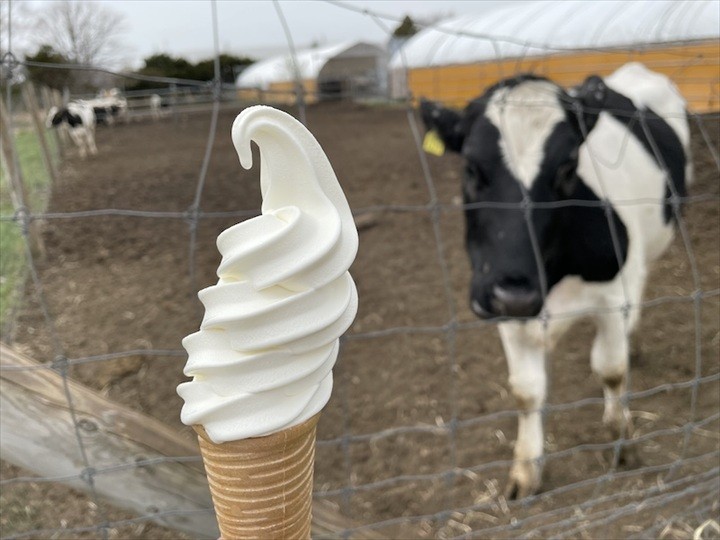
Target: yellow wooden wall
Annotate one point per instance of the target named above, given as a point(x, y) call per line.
point(280, 92)
point(694, 67)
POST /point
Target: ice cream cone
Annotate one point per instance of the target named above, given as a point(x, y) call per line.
point(262, 359)
point(262, 486)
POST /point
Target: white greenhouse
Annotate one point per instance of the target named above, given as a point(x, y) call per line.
point(335, 71)
point(456, 59)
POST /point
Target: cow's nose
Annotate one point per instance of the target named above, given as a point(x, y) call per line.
point(516, 301)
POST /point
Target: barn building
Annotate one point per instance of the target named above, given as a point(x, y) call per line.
point(457, 59)
point(344, 70)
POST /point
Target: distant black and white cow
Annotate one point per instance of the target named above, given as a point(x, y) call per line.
point(618, 146)
point(109, 106)
point(155, 102)
point(79, 119)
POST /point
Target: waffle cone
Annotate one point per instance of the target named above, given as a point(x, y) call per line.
point(262, 487)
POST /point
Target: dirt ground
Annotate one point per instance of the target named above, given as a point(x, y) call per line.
point(116, 283)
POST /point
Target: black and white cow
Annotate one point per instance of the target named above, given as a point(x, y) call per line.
point(79, 119)
point(156, 104)
point(109, 106)
point(617, 146)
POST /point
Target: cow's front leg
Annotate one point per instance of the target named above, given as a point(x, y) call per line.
point(79, 141)
point(610, 360)
point(91, 143)
point(528, 380)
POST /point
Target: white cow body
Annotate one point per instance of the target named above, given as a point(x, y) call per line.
point(155, 106)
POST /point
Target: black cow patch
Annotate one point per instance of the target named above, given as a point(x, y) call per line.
point(594, 244)
point(592, 240)
point(58, 117)
point(655, 135)
point(73, 120)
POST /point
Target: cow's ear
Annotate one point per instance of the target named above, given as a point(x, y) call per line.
point(447, 123)
point(585, 103)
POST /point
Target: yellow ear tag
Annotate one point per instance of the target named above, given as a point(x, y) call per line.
point(432, 143)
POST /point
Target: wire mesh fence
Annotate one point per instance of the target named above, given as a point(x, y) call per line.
point(417, 440)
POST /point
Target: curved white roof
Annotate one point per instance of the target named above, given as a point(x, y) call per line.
point(539, 28)
point(309, 62)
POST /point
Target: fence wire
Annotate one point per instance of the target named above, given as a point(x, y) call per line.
point(591, 503)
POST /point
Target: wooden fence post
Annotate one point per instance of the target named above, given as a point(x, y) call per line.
point(10, 158)
point(57, 100)
point(11, 165)
point(33, 108)
point(48, 102)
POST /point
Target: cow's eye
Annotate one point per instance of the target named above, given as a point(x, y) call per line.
point(474, 173)
point(566, 178)
point(473, 182)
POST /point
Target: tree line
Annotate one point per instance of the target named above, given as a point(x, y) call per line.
point(69, 33)
point(157, 65)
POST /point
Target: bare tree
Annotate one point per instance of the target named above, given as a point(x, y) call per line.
point(16, 22)
point(83, 32)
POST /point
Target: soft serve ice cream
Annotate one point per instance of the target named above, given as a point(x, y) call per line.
point(263, 357)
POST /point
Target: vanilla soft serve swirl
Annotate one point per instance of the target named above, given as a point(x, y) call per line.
point(262, 360)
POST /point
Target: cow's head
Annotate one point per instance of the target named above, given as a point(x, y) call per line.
point(520, 141)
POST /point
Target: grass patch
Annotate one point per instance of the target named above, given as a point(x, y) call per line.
point(12, 247)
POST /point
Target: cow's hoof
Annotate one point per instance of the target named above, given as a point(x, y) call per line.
point(630, 457)
point(627, 458)
point(524, 480)
point(618, 424)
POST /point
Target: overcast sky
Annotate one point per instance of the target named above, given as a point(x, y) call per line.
point(253, 28)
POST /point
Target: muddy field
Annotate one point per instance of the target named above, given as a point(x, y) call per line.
point(117, 283)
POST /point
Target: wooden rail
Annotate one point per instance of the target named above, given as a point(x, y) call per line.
point(37, 433)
